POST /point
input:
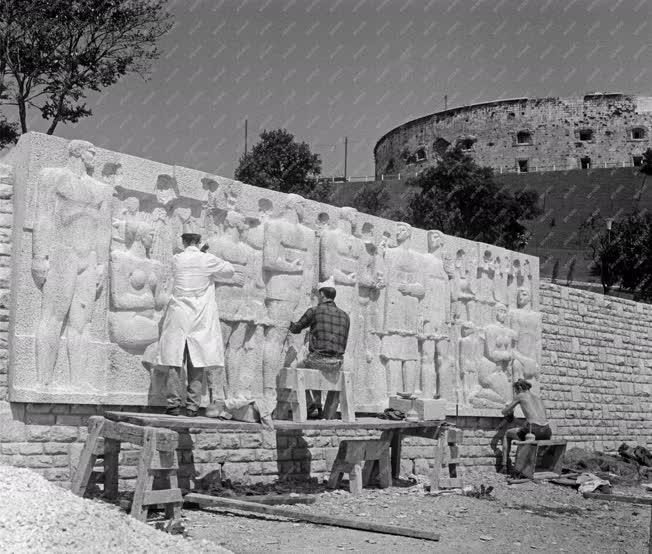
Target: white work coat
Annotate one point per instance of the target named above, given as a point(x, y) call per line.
point(191, 316)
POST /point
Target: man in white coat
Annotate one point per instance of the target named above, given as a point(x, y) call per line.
point(191, 330)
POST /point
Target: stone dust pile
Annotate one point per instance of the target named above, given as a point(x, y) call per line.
point(38, 516)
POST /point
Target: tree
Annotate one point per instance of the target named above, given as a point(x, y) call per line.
point(376, 200)
point(458, 197)
point(53, 52)
point(621, 252)
point(278, 162)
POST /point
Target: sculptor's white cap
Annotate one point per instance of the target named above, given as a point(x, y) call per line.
point(328, 283)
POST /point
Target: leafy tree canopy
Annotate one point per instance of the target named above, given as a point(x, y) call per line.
point(52, 52)
point(278, 162)
point(458, 197)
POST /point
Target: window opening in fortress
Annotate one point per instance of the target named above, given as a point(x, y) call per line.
point(522, 166)
point(637, 161)
point(585, 163)
point(586, 134)
point(638, 133)
point(466, 144)
point(523, 137)
point(440, 146)
point(420, 154)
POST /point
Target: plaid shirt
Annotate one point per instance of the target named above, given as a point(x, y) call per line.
point(329, 329)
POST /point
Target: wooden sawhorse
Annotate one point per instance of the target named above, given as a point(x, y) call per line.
point(446, 450)
point(157, 459)
point(353, 455)
point(538, 459)
point(292, 384)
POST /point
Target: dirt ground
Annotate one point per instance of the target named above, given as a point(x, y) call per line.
point(521, 518)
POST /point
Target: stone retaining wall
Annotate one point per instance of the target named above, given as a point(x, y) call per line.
point(596, 380)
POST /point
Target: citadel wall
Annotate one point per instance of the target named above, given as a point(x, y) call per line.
point(525, 134)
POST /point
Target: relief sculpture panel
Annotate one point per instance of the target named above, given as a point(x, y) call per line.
point(95, 231)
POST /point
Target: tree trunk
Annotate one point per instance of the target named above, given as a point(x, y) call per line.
point(22, 112)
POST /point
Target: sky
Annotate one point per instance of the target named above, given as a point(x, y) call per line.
point(329, 69)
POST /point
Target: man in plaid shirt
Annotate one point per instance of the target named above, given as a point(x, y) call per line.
point(329, 332)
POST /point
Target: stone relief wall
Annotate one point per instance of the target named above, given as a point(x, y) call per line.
point(94, 234)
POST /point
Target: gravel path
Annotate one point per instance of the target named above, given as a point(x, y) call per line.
point(524, 518)
point(37, 516)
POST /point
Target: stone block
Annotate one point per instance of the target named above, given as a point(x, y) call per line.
point(251, 440)
point(30, 449)
point(421, 466)
point(269, 468)
point(55, 448)
point(40, 419)
point(236, 472)
point(427, 409)
point(229, 441)
point(265, 455)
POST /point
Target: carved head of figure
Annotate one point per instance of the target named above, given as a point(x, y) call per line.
point(349, 215)
point(295, 204)
point(435, 241)
point(139, 231)
point(523, 297)
point(501, 312)
point(131, 205)
point(467, 328)
point(84, 151)
point(235, 220)
point(403, 232)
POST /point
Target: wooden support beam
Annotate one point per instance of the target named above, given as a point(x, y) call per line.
point(619, 498)
point(279, 499)
point(229, 504)
point(165, 439)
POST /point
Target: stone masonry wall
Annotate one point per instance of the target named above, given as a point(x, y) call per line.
point(596, 380)
point(597, 367)
point(489, 134)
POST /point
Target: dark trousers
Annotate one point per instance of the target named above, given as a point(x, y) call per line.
point(325, 364)
point(175, 384)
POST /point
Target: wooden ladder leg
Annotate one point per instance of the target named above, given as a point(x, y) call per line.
point(88, 456)
point(385, 470)
point(173, 510)
point(367, 471)
point(330, 404)
point(300, 414)
point(435, 472)
point(355, 478)
point(395, 438)
point(144, 476)
point(336, 472)
point(346, 397)
point(111, 464)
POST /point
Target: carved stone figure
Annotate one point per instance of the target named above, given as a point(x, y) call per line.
point(471, 361)
point(135, 287)
point(437, 377)
point(400, 346)
point(288, 272)
point(527, 326)
point(463, 293)
point(502, 275)
point(369, 374)
point(340, 252)
point(72, 231)
point(236, 314)
point(500, 342)
point(485, 289)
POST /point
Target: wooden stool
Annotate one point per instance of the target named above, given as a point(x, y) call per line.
point(447, 456)
point(351, 456)
point(157, 459)
point(292, 384)
point(539, 459)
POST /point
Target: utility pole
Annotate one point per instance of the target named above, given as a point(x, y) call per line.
point(346, 153)
point(246, 121)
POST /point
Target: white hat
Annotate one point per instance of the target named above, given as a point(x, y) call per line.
point(328, 283)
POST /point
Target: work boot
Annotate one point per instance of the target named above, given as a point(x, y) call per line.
point(173, 411)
